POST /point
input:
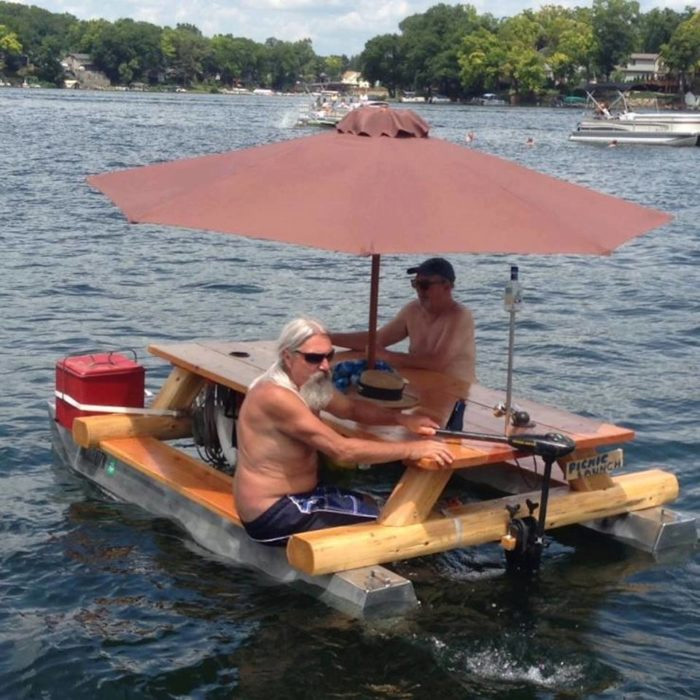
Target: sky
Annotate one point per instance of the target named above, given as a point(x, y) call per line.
point(334, 26)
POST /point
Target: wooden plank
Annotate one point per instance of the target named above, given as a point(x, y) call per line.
point(260, 353)
point(213, 361)
point(179, 390)
point(413, 496)
point(436, 393)
point(188, 476)
point(352, 546)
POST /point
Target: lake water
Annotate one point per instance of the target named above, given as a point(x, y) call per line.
point(101, 599)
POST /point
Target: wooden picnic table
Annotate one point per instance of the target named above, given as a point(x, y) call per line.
point(236, 364)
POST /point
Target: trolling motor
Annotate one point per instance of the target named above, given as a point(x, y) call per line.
point(524, 541)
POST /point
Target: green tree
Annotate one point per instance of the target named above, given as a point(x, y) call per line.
point(184, 50)
point(335, 66)
point(47, 62)
point(615, 31)
point(509, 57)
point(237, 60)
point(524, 65)
point(657, 26)
point(430, 44)
point(287, 62)
point(381, 61)
point(87, 34)
point(682, 53)
point(126, 51)
point(525, 70)
point(33, 24)
point(43, 36)
point(481, 57)
point(566, 42)
point(10, 45)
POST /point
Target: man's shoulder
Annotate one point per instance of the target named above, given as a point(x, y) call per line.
point(267, 391)
point(411, 309)
point(463, 310)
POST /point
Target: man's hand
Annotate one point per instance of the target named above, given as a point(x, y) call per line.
point(431, 449)
point(421, 425)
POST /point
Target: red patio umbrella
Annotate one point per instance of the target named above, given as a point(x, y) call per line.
point(378, 184)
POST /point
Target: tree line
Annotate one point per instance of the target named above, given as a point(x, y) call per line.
point(453, 50)
point(449, 49)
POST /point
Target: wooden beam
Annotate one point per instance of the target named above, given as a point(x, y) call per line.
point(413, 496)
point(352, 546)
point(179, 390)
point(88, 431)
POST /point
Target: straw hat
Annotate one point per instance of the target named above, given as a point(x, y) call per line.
point(384, 388)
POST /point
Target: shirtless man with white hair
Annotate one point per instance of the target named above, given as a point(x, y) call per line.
point(280, 434)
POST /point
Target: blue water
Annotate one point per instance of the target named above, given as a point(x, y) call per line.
point(100, 599)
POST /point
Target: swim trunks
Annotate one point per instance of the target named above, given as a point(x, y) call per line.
point(325, 506)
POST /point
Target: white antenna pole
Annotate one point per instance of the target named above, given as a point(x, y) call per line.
point(512, 303)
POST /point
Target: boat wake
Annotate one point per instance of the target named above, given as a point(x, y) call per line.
point(502, 665)
point(288, 120)
point(499, 664)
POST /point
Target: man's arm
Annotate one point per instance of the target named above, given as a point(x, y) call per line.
point(291, 416)
point(354, 341)
point(373, 414)
point(389, 334)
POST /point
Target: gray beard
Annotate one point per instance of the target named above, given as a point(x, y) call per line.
point(317, 391)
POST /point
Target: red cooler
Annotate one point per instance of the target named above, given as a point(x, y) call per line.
point(100, 379)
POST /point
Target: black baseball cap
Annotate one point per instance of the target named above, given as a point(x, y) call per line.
point(434, 266)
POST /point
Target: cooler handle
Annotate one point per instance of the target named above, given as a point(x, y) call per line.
point(114, 352)
point(109, 361)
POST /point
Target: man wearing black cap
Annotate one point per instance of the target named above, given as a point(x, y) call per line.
point(440, 330)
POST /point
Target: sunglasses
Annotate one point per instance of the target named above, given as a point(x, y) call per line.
point(424, 284)
point(316, 358)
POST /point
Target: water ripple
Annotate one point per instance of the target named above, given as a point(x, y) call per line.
point(100, 599)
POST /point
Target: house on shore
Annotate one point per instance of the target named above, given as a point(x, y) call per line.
point(81, 73)
point(643, 67)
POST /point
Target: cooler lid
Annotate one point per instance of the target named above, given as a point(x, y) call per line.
point(99, 363)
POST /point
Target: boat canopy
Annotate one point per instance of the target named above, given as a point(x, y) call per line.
point(597, 88)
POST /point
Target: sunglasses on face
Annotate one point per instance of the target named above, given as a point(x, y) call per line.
point(424, 284)
point(316, 358)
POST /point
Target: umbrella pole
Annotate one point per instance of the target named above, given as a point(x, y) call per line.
point(373, 303)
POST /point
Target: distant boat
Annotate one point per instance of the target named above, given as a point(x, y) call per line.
point(674, 121)
point(327, 111)
point(605, 132)
point(439, 99)
point(618, 113)
point(488, 99)
point(571, 101)
point(411, 97)
point(616, 121)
